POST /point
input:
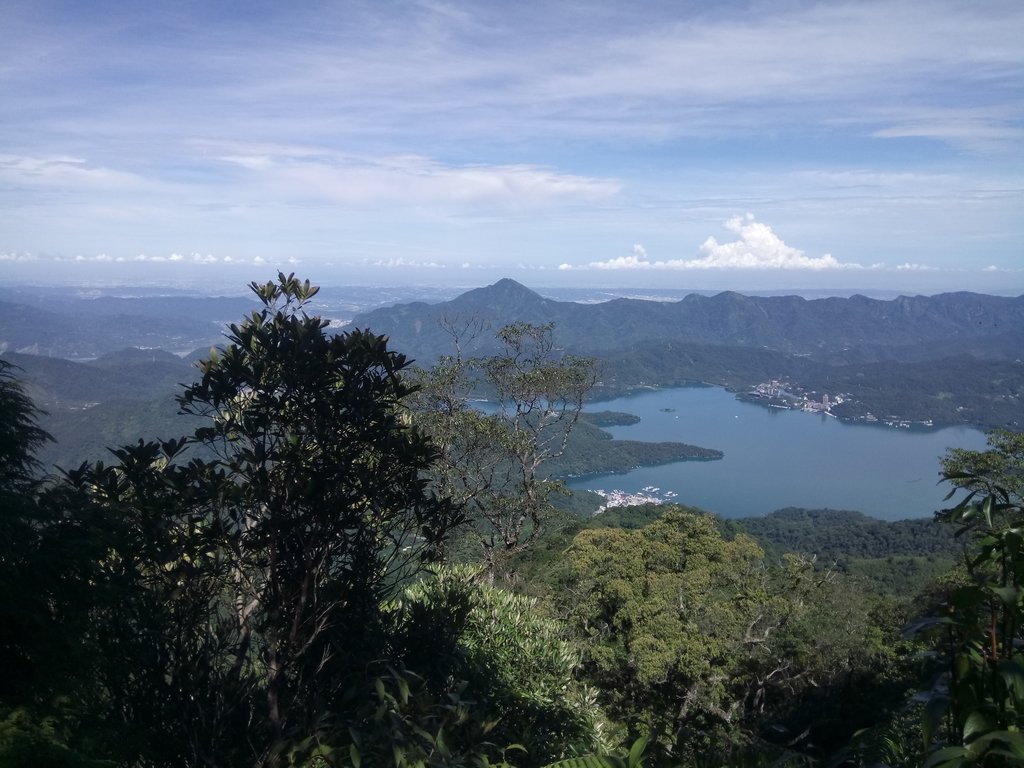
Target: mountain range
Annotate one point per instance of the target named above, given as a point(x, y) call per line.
point(855, 329)
point(948, 359)
point(945, 359)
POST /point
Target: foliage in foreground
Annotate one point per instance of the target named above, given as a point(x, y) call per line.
point(511, 661)
point(493, 462)
point(256, 594)
point(693, 640)
point(975, 710)
point(232, 605)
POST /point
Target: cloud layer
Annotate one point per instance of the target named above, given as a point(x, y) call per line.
point(398, 136)
point(412, 179)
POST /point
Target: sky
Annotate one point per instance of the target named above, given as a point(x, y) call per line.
point(705, 145)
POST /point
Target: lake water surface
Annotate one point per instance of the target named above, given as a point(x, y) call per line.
point(777, 458)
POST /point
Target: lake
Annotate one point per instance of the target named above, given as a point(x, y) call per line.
point(777, 458)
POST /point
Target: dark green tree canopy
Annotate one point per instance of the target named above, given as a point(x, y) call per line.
point(1000, 467)
point(267, 544)
point(20, 434)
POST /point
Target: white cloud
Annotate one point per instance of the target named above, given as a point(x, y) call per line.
point(758, 247)
point(17, 257)
point(994, 268)
point(980, 128)
point(637, 260)
point(414, 179)
point(62, 171)
point(486, 69)
point(173, 258)
point(400, 262)
point(493, 130)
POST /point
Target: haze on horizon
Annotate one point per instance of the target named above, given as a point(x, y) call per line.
point(744, 145)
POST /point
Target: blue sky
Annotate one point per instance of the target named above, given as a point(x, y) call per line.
point(745, 145)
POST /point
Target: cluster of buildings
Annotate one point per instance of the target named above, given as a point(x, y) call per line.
point(775, 393)
point(647, 495)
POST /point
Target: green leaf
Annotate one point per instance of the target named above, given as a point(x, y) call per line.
point(947, 756)
point(932, 717)
point(1012, 672)
point(977, 723)
point(636, 751)
point(1003, 741)
point(590, 761)
point(1010, 596)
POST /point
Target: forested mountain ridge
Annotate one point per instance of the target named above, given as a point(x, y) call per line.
point(946, 359)
point(843, 535)
point(113, 399)
point(123, 395)
point(132, 373)
point(83, 322)
point(76, 334)
point(855, 328)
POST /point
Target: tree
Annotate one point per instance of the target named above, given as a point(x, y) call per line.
point(512, 667)
point(266, 545)
point(664, 612)
point(1001, 466)
point(20, 434)
point(493, 454)
point(48, 588)
point(691, 638)
point(976, 710)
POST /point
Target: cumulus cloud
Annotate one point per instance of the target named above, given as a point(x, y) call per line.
point(756, 247)
point(17, 257)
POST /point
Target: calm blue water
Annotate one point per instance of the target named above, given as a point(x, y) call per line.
point(776, 458)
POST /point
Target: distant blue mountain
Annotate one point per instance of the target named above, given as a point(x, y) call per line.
point(829, 329)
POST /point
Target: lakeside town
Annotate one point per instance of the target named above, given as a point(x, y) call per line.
point(780, 393)
point(650, 494)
